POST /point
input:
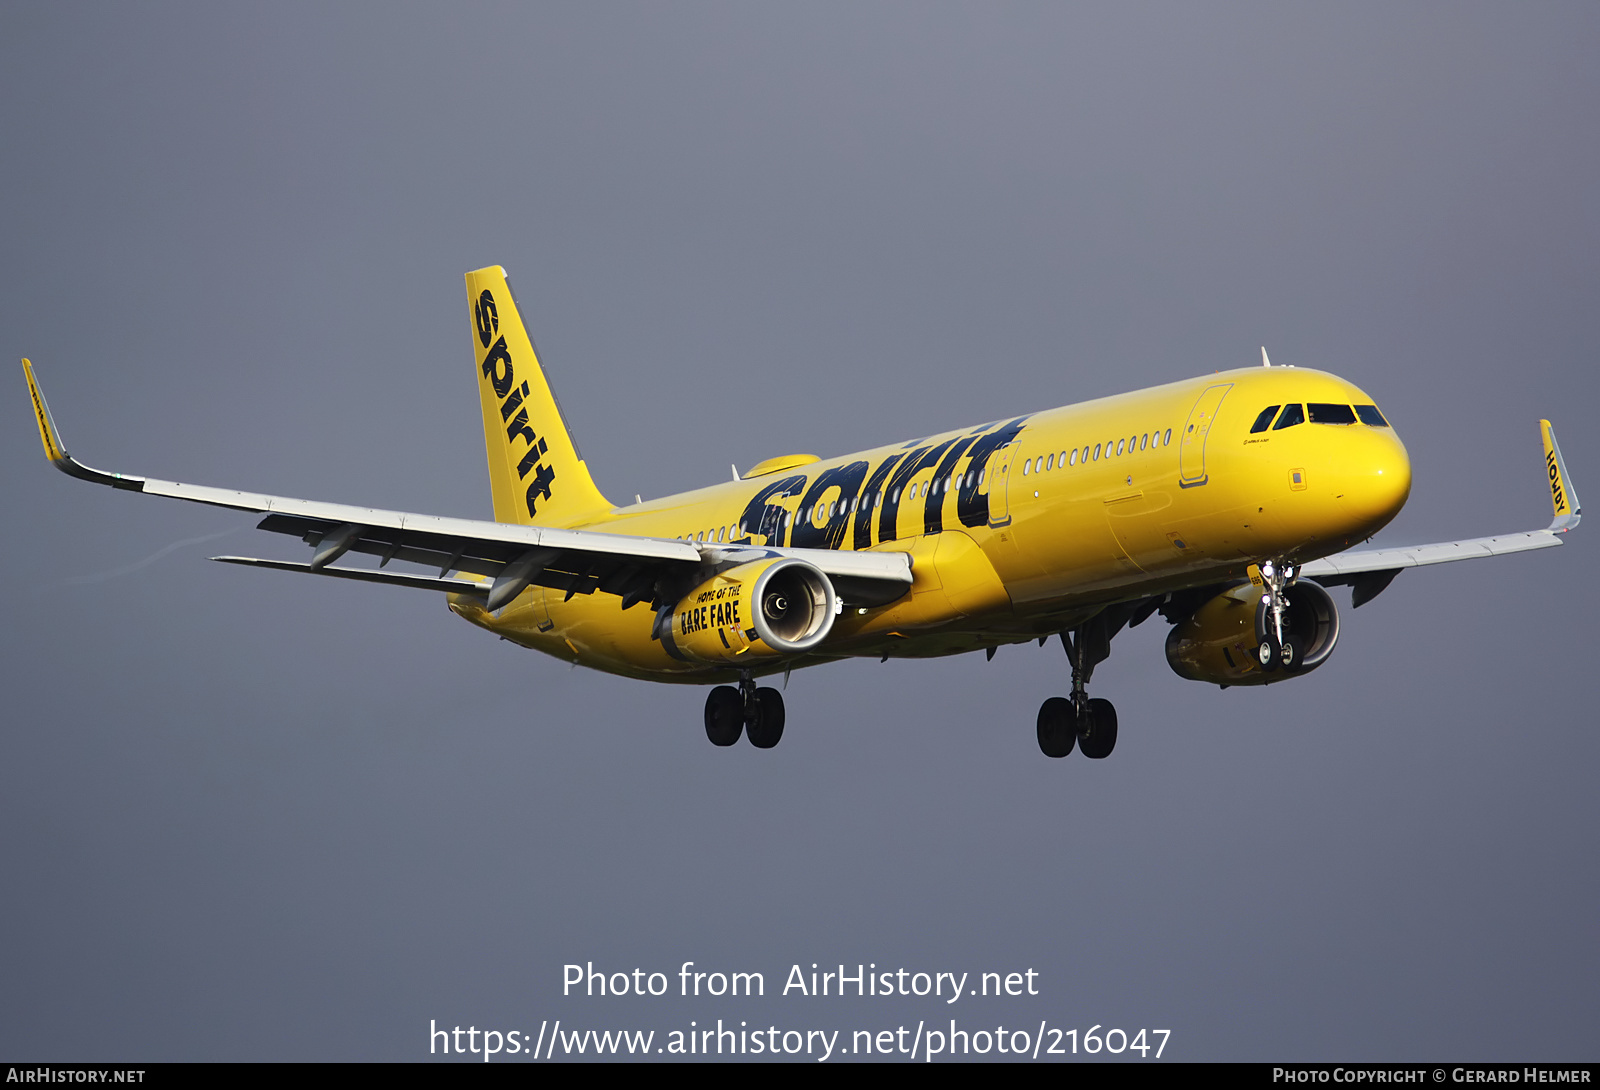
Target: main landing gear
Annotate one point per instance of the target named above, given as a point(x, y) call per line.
point(1275, 646)
point(747, 710)
point(1089, 724)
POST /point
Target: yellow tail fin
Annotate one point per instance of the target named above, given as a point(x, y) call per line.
point(535, 470)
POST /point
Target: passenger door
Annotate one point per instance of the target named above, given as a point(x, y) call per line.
point(999, 475)
point(1192, 445)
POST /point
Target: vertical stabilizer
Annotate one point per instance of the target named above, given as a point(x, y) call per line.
point(535, 472)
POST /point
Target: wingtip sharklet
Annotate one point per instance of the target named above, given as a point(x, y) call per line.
point(1563, 497)
point(56, 451)
point(53, 448)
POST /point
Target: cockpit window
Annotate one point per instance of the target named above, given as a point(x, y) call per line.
point(1370, 416)
point(1265, 419)
point(1331, 414)
point(1292, 415)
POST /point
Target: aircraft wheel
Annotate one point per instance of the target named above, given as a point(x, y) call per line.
point(1293, 655)
point(1057, 729)
point(1269, 653)
point(1097, 730)
point(724, 715)
point(765, 728)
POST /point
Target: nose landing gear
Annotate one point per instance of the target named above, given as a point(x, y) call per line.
point(1276, 647)
point(756, 713)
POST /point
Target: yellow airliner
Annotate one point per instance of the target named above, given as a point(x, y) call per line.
point(1226, 503)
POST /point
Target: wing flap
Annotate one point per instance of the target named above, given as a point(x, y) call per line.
point(367, 575)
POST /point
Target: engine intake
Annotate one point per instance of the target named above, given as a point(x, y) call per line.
point(1217, 642)
point(764, 610)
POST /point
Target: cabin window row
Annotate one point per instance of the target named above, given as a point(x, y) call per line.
point(1317, 412)
point(1112, 448)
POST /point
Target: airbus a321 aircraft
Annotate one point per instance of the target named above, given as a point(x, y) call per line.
point(1224, 503)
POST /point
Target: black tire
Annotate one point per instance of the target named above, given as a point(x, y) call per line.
point(1058, 727)
point(765, 728)
point(1097, 730)
point(724, 715)
point(1293, 655)
point(1269, 653)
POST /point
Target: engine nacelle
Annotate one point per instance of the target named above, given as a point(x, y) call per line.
point(1218, 642)
point(756, 612)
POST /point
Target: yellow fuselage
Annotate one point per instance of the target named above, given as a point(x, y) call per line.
point(1013, 532)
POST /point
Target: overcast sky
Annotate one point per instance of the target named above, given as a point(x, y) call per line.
point(245, 815)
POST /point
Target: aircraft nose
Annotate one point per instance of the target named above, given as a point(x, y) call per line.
point(1374, 478)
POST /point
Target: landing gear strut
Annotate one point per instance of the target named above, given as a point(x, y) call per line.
point(1091, 724)
point(756, 713)
point(1275, 645)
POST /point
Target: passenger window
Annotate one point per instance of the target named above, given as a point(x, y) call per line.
point(1097, 452)
point(1144, 441)
point(1370, 416)
point(1026, 465)
point(1072, 458)
point(1167, 438)
point(1050, 463)
point(1120, 444)
point(1292, 415)
point(1331, 414)
point(1264, 421)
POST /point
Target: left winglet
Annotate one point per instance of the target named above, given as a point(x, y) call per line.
point(1562, 495)
point(56, 451)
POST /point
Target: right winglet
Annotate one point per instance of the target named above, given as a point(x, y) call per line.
point(57, 452)
point(1562, 495)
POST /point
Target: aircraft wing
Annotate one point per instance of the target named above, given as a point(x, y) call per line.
point(1369, 571)
point(507, 557)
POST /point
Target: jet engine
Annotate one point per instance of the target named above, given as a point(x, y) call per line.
point(1218, 642)
point(756, 612)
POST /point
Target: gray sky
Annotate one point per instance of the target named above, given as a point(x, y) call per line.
point(251, 816)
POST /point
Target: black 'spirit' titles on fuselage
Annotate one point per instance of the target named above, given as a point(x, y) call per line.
point(764, 514)
point(913, 463)
point(933, 502)
point(765, 518)
point(830, 535)
point(498, 369)
point(972, 506)
point(863, 518)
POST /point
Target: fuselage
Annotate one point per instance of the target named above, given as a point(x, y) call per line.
point(1019, 527)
